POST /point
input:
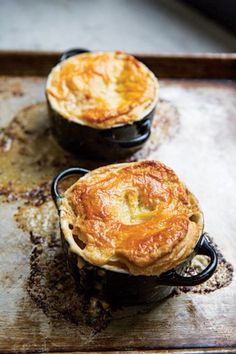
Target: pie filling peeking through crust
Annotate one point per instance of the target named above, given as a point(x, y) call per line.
point(135, 217)
point(102, 90)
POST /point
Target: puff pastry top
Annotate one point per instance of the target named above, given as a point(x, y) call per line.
point(133, 217)
point(102, 89)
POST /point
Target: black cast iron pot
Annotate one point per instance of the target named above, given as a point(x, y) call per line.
point(125, 289)
point(106, 144)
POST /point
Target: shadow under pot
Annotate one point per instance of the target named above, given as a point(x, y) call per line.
point(119, 287)
point(108, 139)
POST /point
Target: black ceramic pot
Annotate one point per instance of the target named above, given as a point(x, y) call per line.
point(106, 144)
point(122, 288)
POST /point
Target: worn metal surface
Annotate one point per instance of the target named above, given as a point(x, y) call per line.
point(201, 147)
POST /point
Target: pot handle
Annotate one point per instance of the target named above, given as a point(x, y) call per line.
point(144, 134)
point(203, 247)
point(71, 52)
point(66, 173)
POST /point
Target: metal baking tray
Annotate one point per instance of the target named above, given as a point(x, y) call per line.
point(194, 133)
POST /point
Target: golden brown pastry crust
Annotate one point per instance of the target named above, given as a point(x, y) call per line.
point(102, 89)
point(134, 217)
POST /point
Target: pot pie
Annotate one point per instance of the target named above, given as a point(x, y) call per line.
point(136, 218)
point(102, 90)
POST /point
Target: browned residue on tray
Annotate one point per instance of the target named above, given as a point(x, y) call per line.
point(165, 126)
point(30, 158)
point(50, 284)
point(52, 287)
point(221, 278)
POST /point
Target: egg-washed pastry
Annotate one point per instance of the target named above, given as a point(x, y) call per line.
point(102, 89)
point(135, 217)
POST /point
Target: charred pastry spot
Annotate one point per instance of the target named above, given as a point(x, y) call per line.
point(195, 218)
point(79, 242)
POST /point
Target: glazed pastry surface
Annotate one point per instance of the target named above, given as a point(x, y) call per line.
point(134, 217)
point(102, 89)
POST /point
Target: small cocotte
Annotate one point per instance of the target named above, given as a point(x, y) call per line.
point(136, 224)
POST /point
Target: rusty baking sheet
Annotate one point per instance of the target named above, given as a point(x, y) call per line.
point(195, 133)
